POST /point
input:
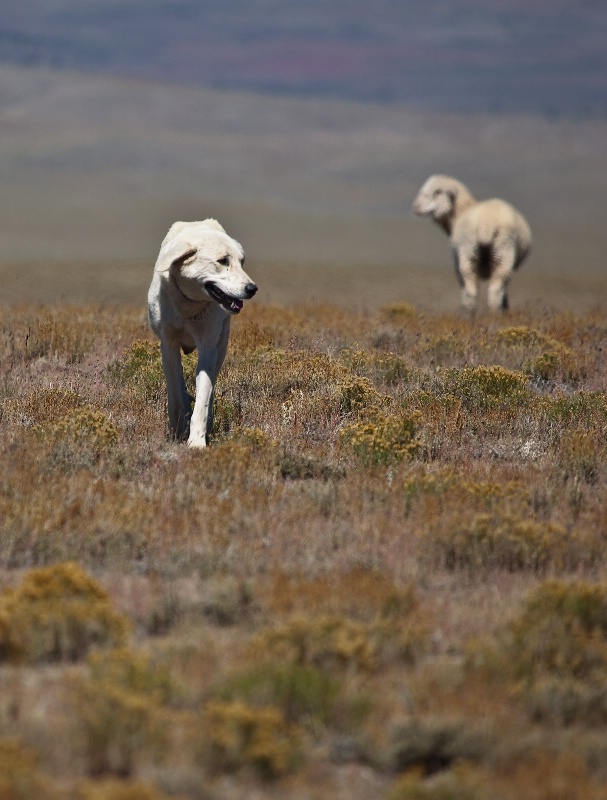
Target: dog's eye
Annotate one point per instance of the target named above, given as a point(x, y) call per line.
point(225, 261)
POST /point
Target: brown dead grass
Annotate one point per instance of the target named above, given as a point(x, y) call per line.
point(346, 577)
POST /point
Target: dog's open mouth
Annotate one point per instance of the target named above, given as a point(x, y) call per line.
point(231, 304)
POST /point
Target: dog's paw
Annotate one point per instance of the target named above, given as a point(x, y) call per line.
point(196, 441)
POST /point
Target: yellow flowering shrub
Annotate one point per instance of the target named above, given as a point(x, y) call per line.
point(57, 613)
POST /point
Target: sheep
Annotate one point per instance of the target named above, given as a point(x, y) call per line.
point(489, 239)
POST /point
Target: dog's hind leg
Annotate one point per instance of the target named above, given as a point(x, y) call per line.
point(222, 347)
point(180, 408)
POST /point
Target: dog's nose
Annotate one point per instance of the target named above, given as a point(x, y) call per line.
point(250, 289)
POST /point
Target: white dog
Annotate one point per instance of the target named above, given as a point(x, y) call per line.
point(198, 284)
point(489, 239)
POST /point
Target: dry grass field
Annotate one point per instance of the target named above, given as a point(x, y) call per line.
point(384, 579)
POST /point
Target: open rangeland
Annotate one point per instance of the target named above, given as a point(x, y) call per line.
point(385, 578)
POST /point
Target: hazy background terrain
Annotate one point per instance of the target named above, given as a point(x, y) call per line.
point(306, 129)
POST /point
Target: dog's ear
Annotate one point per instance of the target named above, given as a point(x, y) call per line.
point(212, 223)
point(177, 263)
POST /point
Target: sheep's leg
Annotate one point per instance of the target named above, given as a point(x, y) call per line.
point(497, 294)
point(470, 294)
point(469, 283)
point(497, 291)
point(467, 278)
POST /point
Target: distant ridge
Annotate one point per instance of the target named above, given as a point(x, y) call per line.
point(497, 56)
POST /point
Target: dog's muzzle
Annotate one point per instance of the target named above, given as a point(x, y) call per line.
point(228, 301)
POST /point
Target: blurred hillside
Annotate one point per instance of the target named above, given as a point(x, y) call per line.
point(306, 130)
point(549, 56)
point(94, 170)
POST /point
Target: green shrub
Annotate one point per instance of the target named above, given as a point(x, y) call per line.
point(57, 614)
point(303, 693)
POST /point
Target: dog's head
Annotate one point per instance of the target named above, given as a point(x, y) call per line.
point(206, 264)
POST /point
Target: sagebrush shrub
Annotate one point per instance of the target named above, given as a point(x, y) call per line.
point(580, 455)
point(57, 613)
point(560, 362)
point(20, 775)
point(484, 388)
point(88, 427)
point(140, 367)
point(335, 643)
point(68, 333)
point(505, 541)
point(383, 438)
point(384, 368)
point(47, 405)
point(112, 789)
point(436, 742)
point(558, 650)
point(121, 709)
point(460, 783)
point(539, 774)
point(321, 380)
point(398, 313)
point(239, 735)
point(586, 410)
point(444, 351)
point(361, 594)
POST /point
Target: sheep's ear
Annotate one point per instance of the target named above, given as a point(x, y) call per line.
point(178, 263)
point(212, 223)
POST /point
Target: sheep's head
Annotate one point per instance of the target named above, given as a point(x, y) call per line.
point(442, 198)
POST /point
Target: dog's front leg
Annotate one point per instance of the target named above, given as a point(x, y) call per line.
point(204, 398)
point(180, 408)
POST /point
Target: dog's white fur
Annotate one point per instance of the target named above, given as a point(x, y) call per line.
point(198, 284)
point(489, 239)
